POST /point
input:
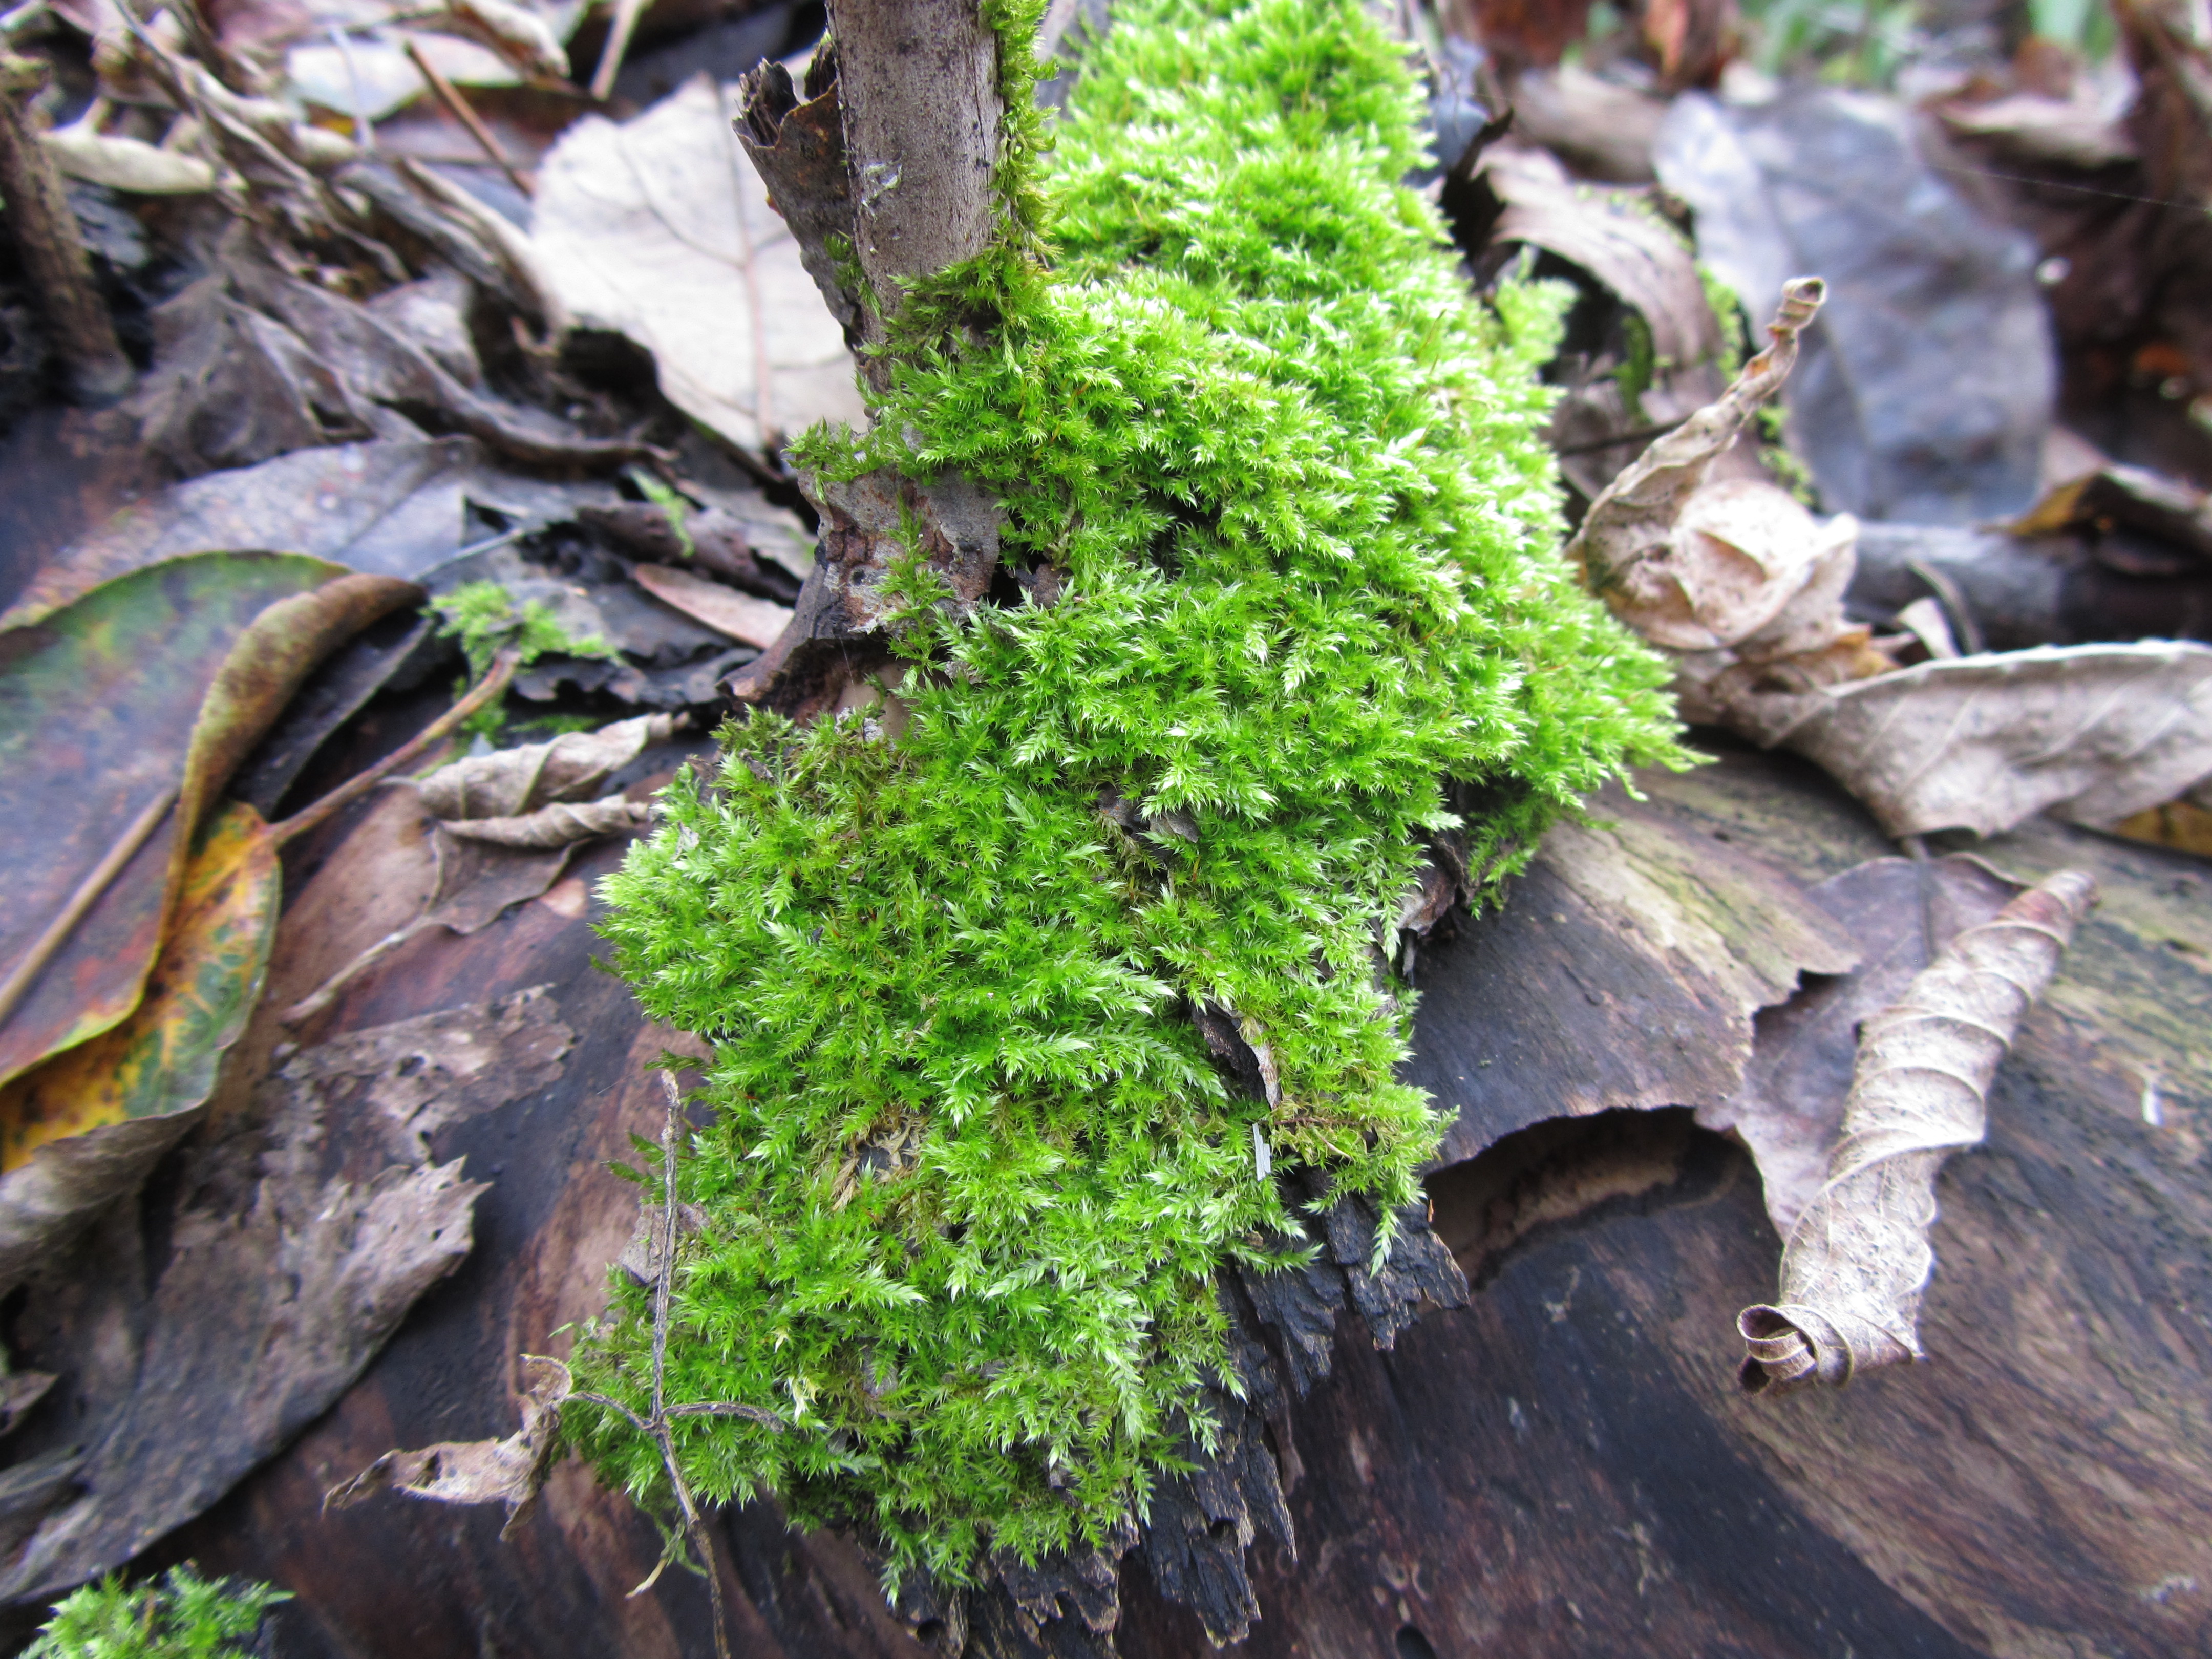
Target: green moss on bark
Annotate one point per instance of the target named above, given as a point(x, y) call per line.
point(970, 1172)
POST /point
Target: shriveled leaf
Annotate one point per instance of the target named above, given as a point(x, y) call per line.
point(659, 230)
point(1789, 1110)
point(742, 616)
point(560, 824)
point(571, 767)
point(1858, 1260)
point(2094, 733)
point(510, 1471)
point(2127, 497)
point(130, 165)
point(1627, 546)
point(1617, 239)
point(2028, 126)
point(1928, 386)
point(159, 681)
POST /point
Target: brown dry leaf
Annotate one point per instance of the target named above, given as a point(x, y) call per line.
point(1858, 1259)
point(1789, 1110)
point(1631, 547)
point(511, 1471)
point(659, 230)
point(1611, 236)
point(2092, 734)
point(571, 767)
point(2110, 495)
point(2029, 127)
point(560, 824)
point(742, 616)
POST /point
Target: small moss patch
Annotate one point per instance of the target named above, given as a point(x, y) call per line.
point(970, 1171)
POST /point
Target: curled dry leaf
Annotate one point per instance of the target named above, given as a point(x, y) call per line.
point(558, 825)
point(658, 230)
point(510, 1471)
point(1858, 1259)
point(1789, 1109)
point(571, 767)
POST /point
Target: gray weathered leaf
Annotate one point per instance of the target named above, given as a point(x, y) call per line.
point(558, 825)
point(2092, 734)
point(658, 229)
point(742, 616)
point(1858, 1259)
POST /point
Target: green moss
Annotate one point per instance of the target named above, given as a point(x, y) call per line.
point(970, 1172)
point(185, 1617)
point(482, 618)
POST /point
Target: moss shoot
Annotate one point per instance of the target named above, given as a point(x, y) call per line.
point(970, 1173)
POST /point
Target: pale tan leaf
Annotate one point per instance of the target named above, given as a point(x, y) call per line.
point(571, 767)
point(742, 616)
point(557, 825)
point(510, 1471)
point(127, 164)
point(2094, 733)
point(658, 229)
point(1858, 1259)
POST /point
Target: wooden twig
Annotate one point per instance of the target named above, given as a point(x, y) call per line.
point(51, 248)
point(493, 683)
point(26, 972)
point(459, 109)
point(619, 30)
point(656, 1424)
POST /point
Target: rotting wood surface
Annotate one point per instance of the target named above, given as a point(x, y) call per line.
point(1565, 1467)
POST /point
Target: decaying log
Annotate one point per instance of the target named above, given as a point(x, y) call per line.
point(1566, 1465)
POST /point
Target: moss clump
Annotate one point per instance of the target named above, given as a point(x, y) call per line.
point(185, 1617)
point(970, 1172)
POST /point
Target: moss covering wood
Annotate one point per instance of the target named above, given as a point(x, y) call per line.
point(970, 1171)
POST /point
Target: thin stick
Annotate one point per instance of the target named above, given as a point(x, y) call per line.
point(627, 12)
point(52, 248)
point(656, 1424)
point(86, 895)
point(458, 107)
point(492, 684)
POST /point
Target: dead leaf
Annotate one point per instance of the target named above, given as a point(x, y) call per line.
point(2032, 127)
point(1615, 238)
point(569, 768)
point(558, 825)
point(1858, 1259)
point(1626, 545)
point(394, 508)
point(184, 665)
point(299, 1240)
point(2127, 497)
point(1789, 1110)
point(127, 164)
point(146, 1079)
point(743, 617)
point(657, 229)
point(756, 554)
point(1603, 128)
point(510, 1471)
point(2092, 734)
point(1926, 388)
